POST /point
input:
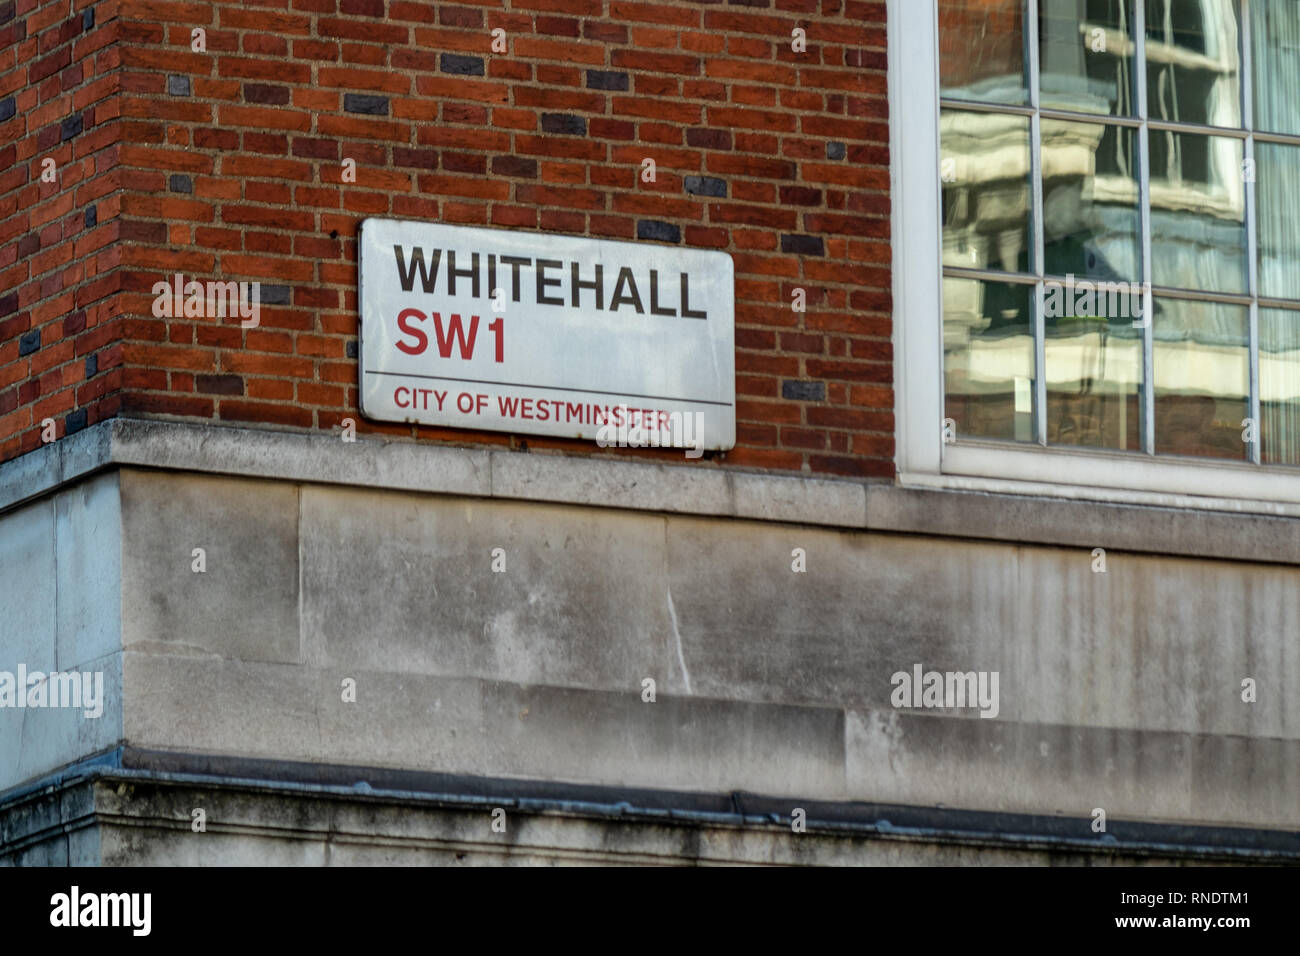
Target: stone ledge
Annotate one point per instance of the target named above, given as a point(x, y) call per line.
point(411, 814)
point(649, 486)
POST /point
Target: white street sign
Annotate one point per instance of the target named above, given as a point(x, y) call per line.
point(542, 334)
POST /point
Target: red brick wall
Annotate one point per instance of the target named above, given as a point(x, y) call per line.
point(226, 164)
point(59, 357)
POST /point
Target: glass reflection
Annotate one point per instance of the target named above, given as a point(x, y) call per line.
point(1193, 63)
point(1093, 356)
point(984, 165)
point(1198, 203)
point(988, 359)
point(1277, 173)
point(1279, 386)
point(1091, 221)
point(982, 51)
point(1086, 56)
point(1275, 45)
point(1202, 375)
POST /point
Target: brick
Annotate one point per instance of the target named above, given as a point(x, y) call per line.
point(704, 186)
point(219, 384)
point(656, 62)
point(461, 65)
point(365, 103)
point(514, 166)
point(564, 124)
point(803, 245)
point(660, 231)
point(803, 391)
point(607, 80)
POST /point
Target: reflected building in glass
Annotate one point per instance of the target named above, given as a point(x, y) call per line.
point(1062, 167)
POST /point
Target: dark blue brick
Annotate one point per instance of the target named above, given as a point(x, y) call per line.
point(7, 108)
point(804, 391)
point(834, 150)
point(30, 342)
point(178, 85)
point(606, 80)
point(365, 103)
point(74, 422)
point(88, 18)
point(705, 186)
point(464, 65)
point(92, 364)
point(564, 123)
point(71, 127)
point(92, 217)
point(803, 245)
point(662, 231)
point(351, 349)
point(275, 295)
point(180, 183)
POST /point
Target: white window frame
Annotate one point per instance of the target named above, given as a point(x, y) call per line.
point(923, 459)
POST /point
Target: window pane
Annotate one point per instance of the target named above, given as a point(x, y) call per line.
point(1277, 174)
point(986, 183)
point(988, 359)
point(1279, 386)
point(1202, 371)
point(1094, 363)
point(982, 50)
point(1091, 222)
point(1198, 202)
point(1275, 41)
point(1086, 56)
point(1193, 65)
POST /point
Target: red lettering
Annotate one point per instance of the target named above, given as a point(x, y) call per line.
point(497, 328)
point(421, 339)
point(457, 332)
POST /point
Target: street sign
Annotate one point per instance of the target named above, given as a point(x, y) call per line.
point(533, 333)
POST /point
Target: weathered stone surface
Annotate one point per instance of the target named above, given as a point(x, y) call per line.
point(245, 605)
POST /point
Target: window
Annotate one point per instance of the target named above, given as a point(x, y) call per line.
point(1118, 264)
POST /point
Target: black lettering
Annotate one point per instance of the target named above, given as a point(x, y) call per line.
point(686, 308)
point(514, 262)
point(595, 284)
point(453, 272)
point(654, 296)
point(428, 276)
point(543, 282)
point(625, 276)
